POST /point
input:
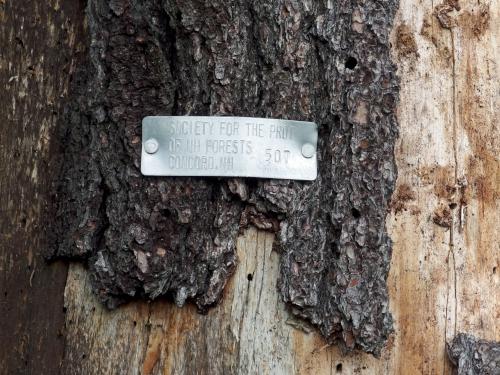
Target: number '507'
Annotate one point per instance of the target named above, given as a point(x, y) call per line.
point(277, 156)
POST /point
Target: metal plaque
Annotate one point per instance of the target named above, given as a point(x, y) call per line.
point(228, 147)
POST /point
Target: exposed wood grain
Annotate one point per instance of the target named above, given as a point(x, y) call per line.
point(37, 41)
point(444, 223)
point(247, 333)
point(446, 246)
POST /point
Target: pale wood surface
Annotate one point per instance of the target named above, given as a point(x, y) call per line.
point(444, 223)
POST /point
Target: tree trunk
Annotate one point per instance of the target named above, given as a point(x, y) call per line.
point(443, 221)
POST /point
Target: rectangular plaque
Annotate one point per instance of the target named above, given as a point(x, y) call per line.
point(228, 147)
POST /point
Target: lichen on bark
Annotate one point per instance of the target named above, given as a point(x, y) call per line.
point(322, 61)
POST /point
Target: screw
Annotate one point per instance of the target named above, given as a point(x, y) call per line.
point(308, 150)
point(151, 146)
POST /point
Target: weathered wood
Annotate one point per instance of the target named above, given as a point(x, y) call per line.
point(250, 332)
point(444, 223)
point(446, 253)
point(37, 44)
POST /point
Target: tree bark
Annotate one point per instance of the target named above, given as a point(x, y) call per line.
point(472, 356)
point(149, 237)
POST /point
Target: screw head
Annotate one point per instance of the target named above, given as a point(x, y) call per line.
point(151, 146)
point(308, 150)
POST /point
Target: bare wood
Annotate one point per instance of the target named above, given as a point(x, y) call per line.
point(36, 58)
point(446, 253)
point(251, 332)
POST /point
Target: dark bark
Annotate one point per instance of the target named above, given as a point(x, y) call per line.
point(37, 47)
point(327, 62)
point(472, 356)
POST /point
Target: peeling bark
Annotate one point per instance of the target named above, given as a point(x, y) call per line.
point(474, 357)
point(146, 237)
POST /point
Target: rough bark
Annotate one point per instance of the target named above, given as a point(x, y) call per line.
point(328, 62)
point(474, 357)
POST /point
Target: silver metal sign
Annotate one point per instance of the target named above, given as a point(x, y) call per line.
point(228, 147)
